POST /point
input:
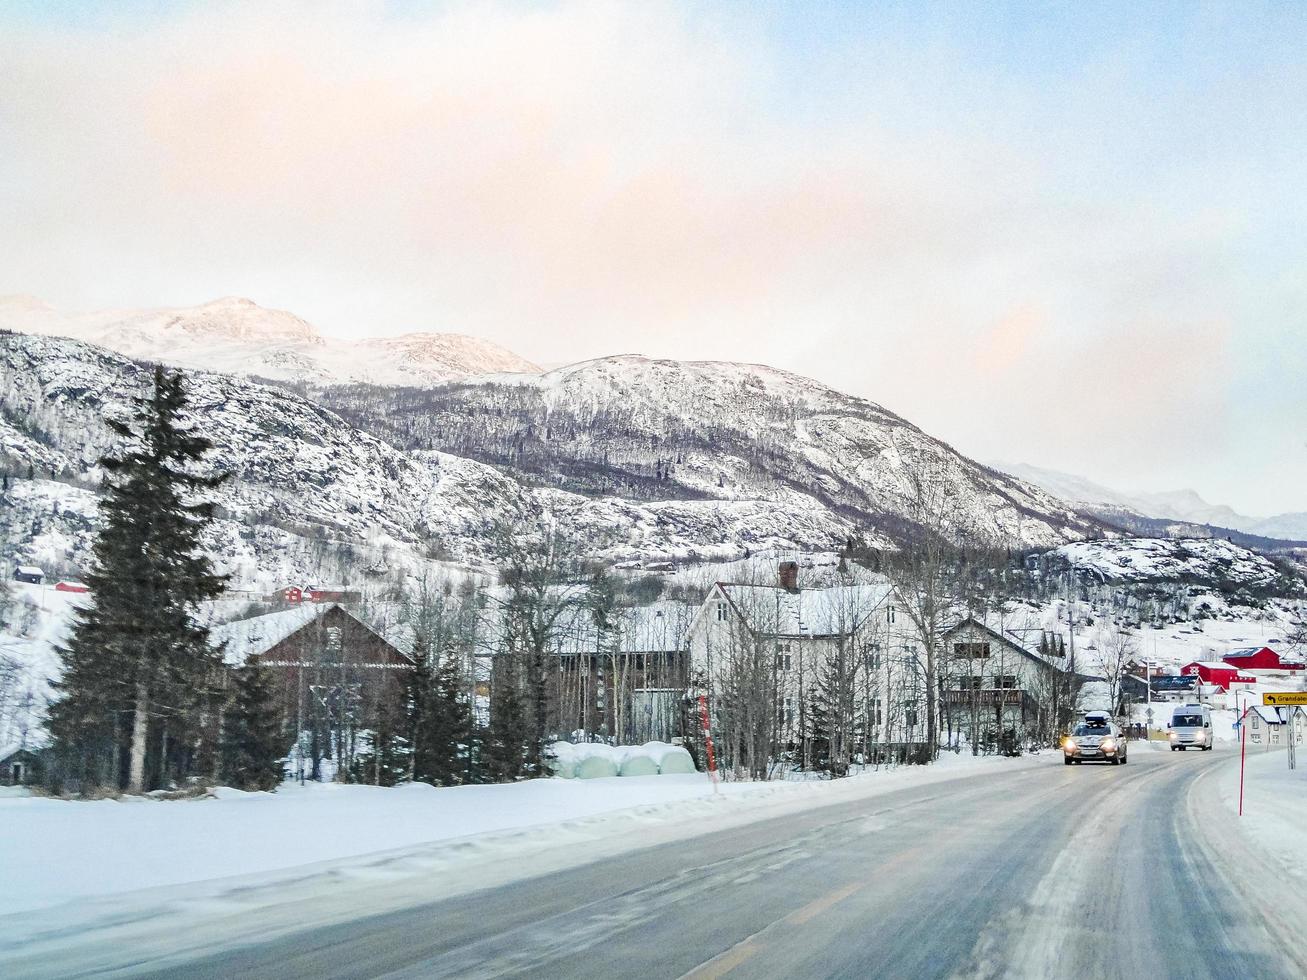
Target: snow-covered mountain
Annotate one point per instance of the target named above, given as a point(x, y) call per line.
point(237, 336)
point(639, 460)
point(1183, 506)
point(719, 434)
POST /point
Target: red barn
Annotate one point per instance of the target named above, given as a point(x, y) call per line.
point(316, 594)
point(1217, 672)
point(72, 587)
point(1260, 658)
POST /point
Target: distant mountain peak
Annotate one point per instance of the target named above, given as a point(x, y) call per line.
point(1186, 505)
point(235, 335)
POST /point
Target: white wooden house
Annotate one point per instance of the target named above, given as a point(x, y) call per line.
point(791, 635)
point(991, 681)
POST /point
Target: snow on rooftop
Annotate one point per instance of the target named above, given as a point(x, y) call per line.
point(29, 570)
point(248, 637)
point(806, 612)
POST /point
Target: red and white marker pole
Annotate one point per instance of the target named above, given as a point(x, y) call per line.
point(707, 741)
point(1243, 744)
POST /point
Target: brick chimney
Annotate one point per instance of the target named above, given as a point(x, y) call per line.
point(789, 575)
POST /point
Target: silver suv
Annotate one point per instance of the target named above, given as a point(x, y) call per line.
point(1095, 739)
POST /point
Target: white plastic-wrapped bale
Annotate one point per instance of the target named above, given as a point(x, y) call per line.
point(595, 767)
point(563, 768)
point(676, 760)
point(638, 763)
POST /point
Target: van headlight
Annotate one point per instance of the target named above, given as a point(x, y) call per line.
point(1175, 737)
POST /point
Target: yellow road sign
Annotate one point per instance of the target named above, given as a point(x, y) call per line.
point(1286, 697)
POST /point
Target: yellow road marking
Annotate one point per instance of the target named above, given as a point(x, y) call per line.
point(743, 951)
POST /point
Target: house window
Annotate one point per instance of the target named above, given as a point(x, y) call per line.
point(872, 658)
point(889, 614)
point(783, 661)
point(1256, 722)
point(973, 683)
point(721, 612)
point(910, 717)
point(971, 651)
point(1006, 682)
point(785, 717)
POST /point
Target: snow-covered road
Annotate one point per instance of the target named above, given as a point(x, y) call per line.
point(1032, 871)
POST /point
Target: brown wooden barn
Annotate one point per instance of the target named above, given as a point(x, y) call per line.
point(337, 677)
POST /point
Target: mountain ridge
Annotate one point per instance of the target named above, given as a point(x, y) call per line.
point(1186, 506)
point(235, 335)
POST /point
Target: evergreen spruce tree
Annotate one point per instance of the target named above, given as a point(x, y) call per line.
point(447, 732)
point(388, 759)
point(137, 663)
point(504, 747)
point(417, 708)
point(253, 742)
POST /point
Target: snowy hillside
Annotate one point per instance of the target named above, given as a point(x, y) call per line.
point(696, 432)
point(312, 496)
point(1210, 562)
point(238, 336)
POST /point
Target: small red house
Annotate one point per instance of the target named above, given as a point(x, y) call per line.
point(72, 587)
point(1217, 672)
point(1260, 658)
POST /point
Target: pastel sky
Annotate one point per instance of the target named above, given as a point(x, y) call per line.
point(1066, 234)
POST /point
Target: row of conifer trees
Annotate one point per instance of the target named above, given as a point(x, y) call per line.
point(144, 701)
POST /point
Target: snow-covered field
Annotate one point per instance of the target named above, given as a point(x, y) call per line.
point(1274, 820)
point(58, 851)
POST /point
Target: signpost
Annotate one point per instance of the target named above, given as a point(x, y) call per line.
point(1285, 698)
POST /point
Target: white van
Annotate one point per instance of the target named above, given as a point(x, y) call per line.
point(1191, 727)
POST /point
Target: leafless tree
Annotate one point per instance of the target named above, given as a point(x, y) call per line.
point(925, 574)
point(539, 571)
point(1116, 649)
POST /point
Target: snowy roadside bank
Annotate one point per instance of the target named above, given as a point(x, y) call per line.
point(56, 852)
point(1274, 820)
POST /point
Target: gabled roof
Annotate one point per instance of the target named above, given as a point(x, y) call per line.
point(1267, 713)
point(1006, 641)
point(1244, 653)
point(9, 751)
point(259, 634)
point(29, 570)
point(1210, 665)
point(805, 613)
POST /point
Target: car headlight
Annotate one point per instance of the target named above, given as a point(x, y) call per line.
point(1069, 744)
point(1107, 744)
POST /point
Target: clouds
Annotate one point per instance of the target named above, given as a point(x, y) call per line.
point(924, 218)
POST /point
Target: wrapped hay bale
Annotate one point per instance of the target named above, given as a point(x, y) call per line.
point(562, 760)
point(596, 767)
point(676, 760)
point(638, 764)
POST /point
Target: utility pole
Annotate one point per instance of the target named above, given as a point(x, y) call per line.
point(1070, 613)
point(299, 723)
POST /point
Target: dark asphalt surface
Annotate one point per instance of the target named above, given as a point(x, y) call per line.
point(1084, 871)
